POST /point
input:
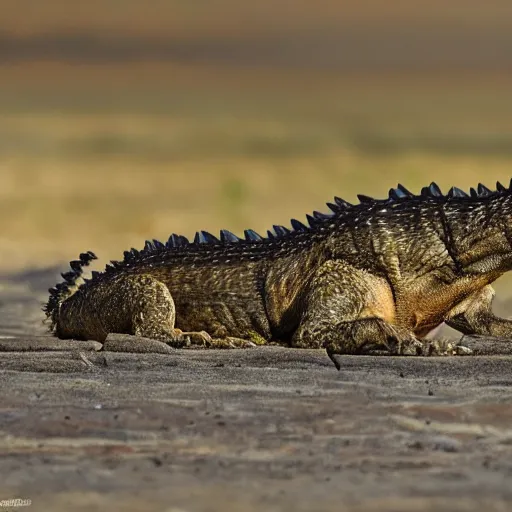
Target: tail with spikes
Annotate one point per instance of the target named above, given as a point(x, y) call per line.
point(62, 291)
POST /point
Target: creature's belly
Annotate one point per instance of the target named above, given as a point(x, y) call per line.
point(222, 318)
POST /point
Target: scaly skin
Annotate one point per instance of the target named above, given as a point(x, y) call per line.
point(377, 276)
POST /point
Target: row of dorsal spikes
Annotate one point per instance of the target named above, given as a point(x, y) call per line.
point(434, 191)
point(226, 237)
point(395, 194)
point(72, 275)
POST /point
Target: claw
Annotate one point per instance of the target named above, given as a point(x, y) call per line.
point(414, 348)
point(461, 350)
point(239, 343)
point(439, 347)
point(200, 339)
point(443, 347)
point(331, 355)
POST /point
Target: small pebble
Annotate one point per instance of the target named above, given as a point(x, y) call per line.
point(445, 444)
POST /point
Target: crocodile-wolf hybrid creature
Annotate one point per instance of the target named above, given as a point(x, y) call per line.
point(378, 275)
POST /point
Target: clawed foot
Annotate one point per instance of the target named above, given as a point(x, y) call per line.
point(199, 339)
point(230, 342)
point(444, 347)
point(384, 339)
point(373, 336)
point(202, 340)
point(393, 340)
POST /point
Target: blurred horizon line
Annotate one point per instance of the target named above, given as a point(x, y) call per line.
point(351, 49)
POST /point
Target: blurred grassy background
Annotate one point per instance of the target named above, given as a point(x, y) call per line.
point(121, 121)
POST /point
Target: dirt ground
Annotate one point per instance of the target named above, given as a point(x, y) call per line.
point(260, 429)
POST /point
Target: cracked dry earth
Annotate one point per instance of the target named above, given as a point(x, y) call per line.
point(244, 430)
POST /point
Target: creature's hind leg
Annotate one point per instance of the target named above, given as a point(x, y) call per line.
point(140, 305)
point(349, 311)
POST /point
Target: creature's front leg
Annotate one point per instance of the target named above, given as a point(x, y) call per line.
point(345, 312)
point(474, 316)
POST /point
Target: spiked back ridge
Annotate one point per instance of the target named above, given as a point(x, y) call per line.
point(338, 208)
point(61, 290)
point(341, 211)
